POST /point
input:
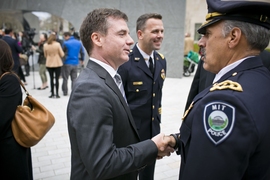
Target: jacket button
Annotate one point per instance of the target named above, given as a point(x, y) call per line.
point(153, 107)
point(154, 94)
point(153, 118)
point(137, 90)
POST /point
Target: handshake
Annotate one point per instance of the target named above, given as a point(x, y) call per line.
point(165, 145)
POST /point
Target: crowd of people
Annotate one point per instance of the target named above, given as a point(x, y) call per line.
point(53, 57)
point(114, 108)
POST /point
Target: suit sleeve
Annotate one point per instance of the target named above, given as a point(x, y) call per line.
point(93, 129)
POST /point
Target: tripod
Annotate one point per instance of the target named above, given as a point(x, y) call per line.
point(33, 68)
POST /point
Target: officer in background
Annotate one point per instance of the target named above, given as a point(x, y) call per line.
point(143, 76)
point(225, 132)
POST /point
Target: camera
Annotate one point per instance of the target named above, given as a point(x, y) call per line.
point(31, 33)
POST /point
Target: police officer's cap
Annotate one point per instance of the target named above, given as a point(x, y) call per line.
point(252, 11)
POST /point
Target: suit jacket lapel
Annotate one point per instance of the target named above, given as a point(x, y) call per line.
point(102, 73)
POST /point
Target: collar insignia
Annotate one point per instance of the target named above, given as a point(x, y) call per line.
point(228, 84)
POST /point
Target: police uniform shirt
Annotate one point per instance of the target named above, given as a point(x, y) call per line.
point(146, 56)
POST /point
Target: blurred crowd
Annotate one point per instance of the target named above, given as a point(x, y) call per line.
point(55, 55)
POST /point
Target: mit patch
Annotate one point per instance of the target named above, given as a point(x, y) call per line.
point(218, 121)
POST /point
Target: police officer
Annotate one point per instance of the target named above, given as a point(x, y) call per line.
point(225, 132)
point(143, 76)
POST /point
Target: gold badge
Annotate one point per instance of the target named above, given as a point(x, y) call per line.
point(163, 74)
point(137, 58)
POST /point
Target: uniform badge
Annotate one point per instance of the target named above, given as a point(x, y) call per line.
point(137, 58)
point(218, 121)
point(162, 74)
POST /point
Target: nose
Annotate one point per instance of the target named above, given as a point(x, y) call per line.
point(201, 42)
point(160, 34)
point(130, 41)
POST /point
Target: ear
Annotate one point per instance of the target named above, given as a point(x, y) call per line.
point(234, 37)
point(97, 39)
point(139, 34)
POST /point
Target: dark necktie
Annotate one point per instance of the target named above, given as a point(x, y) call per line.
point(151, 65)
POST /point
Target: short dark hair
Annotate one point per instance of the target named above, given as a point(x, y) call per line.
point(8, 30)
point(140, 25)
point(6, 60)
point(67, 34)
point(96, 21)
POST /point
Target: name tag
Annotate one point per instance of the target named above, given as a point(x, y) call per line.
point(138, 83)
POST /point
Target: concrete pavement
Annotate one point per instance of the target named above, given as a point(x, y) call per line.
point(51, 156)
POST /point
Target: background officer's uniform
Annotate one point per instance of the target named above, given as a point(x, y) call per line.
point(144, 91)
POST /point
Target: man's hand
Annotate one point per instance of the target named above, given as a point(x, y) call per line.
point(162, 143)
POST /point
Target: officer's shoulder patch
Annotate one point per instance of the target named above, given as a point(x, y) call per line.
point(228, 84)
point(218, 119)
point(161, 55)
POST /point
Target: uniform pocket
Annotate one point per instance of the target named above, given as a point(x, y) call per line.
point(137, 94)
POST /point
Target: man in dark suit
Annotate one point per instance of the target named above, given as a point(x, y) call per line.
point(225, 132)
point(103, 136)
point(15, 48)
point(143, 76)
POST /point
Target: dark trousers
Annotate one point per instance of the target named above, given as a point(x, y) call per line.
point(54, 74)
point(20, 74)
point(68, 70)
point(148, 172)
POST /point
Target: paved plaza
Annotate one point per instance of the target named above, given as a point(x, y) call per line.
point(51, 156)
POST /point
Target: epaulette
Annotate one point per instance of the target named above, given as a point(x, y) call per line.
point(161, 55)
point(228, 84)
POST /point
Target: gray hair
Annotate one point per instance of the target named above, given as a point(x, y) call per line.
point(258, 37)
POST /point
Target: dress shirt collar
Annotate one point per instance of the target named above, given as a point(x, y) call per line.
point(146, 56)
point(226, 69)
point(107, 67)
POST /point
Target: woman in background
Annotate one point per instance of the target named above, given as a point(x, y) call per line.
point(42, 61)
point(53, 53)
point(15, 160)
